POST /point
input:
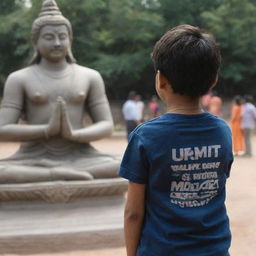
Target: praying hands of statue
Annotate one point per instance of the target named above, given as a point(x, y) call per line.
point(54, 125)
point(59, 123)
point(66, 127)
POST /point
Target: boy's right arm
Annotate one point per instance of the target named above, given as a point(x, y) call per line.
point(134, 216)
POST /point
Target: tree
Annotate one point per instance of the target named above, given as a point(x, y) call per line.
point(14, 34)
point(186, 11)
point(7, 6)
point(116, 38)
point(233, 23)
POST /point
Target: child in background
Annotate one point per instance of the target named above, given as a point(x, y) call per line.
point(153, 107)
point(178, 163)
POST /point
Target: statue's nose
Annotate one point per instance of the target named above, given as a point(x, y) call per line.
point(57, 42)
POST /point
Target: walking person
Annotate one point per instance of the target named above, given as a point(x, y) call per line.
point(215, 104)
point(237, 132)
point(248, 123)
point(205, 101)
point(130, 113)
point(177, 164)
point(140, 107)
point(153, 107)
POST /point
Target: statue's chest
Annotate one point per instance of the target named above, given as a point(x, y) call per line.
point(72, 91)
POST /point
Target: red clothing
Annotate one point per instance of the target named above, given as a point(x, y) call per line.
point(154, 108)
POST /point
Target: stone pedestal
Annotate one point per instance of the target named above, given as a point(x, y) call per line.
point(61, 217)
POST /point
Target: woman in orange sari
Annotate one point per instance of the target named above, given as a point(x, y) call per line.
point(237, 132)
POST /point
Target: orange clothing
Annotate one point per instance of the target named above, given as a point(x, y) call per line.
point(237, 132)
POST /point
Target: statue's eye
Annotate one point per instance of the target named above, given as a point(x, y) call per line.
point(48, 37)
point(63, 36)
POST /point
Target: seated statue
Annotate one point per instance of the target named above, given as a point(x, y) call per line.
point(53, 95)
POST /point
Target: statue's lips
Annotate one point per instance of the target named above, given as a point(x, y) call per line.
point(57, 51)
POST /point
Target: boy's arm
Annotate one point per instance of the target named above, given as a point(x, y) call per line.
point(133, 216)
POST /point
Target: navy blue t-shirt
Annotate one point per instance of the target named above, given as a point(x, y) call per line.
point(184, 160)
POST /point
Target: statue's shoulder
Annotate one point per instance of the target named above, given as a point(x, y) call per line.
point(89, 72)
point(20, 75)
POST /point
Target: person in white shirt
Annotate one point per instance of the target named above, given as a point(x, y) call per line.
point(140, 107)
point(130, 113)
point(248, 123)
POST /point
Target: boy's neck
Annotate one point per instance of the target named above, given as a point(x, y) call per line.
point(180, 104)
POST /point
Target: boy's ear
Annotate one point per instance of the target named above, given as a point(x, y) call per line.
point(214, 82)
point(161, 81)
point(162, 85)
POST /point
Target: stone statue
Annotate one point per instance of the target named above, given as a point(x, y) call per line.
point(53, 95)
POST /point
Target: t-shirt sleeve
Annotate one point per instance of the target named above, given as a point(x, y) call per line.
point(135, 164)
point(230, 155)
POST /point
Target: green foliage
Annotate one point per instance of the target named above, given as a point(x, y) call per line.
point(186, 11)
point(7, 6)
point(233, 24)
point(116, 37)
point(14, 35)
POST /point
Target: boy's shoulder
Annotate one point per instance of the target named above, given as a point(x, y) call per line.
point(173, 125)
point(151, 125)
point(204, 119)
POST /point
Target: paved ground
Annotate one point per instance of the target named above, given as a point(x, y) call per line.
point(241, 198)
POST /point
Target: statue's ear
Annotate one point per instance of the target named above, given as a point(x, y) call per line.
point(36, 57)
point(70, 58)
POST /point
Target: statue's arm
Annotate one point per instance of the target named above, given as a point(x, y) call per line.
point(10, 112)
point(99, 111)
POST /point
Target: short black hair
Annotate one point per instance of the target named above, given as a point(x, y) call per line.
point(188, 58)
point(238, 100)
point(131, 95)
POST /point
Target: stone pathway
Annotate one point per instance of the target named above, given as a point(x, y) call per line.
point(241, 202)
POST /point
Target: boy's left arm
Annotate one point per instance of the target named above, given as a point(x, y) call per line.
point(134, 216)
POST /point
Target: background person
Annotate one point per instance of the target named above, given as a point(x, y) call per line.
point(237, 132)
point(215, 104)
point(140, 107)
point(130, 113)
point(248, 123)
point(153, 107)
point(205, 101)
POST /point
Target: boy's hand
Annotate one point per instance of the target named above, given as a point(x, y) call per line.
point(133, 216)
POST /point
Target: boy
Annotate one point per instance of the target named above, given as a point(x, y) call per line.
point(177, 164)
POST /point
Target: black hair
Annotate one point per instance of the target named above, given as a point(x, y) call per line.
point(238, 100)
point(131, 95)
point(188, 58)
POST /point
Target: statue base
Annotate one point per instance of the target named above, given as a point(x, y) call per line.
point(92, 218)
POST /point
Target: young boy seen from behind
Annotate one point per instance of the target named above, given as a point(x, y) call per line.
point(178, 163)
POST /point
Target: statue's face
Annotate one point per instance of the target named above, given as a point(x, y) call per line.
point(53, 42)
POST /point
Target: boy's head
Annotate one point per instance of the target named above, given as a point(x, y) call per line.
point(188, 59)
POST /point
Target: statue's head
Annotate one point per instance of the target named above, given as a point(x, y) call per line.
point(49, 15)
